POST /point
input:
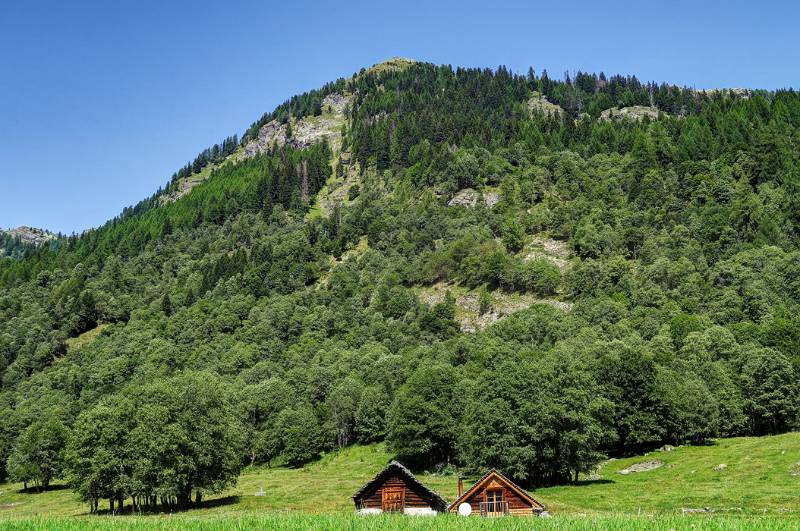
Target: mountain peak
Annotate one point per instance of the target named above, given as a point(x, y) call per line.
point(394, 63)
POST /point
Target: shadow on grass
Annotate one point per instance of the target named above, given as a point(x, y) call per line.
point(40, 490)
point(589, 482)
point(208, 504)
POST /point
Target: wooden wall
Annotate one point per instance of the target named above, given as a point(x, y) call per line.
point(413, 498)
point(516, 504)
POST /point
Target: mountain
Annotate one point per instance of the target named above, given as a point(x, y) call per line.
point(480, 268)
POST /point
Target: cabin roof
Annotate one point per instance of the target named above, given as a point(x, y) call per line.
point(494, 473)
point(437, 501)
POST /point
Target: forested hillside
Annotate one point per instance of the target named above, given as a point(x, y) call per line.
point(627, 254)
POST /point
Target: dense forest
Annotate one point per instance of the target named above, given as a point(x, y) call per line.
point(233, 327)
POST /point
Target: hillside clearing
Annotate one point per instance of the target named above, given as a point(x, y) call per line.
point(85, 338)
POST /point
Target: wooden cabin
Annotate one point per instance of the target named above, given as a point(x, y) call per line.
point(495, 495)
point(395, 489)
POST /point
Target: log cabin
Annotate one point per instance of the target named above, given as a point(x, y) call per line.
point(395, 489)
point(495, 495)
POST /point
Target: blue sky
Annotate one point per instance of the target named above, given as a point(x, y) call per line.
point(101, 101)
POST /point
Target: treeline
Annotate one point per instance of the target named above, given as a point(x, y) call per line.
point(306, 104)
point(424, 110)
point(214, 154)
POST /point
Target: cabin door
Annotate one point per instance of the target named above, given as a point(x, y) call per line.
point(393, 499)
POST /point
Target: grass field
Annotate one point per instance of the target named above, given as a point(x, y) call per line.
point(757, 489)
point(352, 522)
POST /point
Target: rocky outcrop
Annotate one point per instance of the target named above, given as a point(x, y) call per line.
point(270, 133)
point(741, 93)
point(645, 466)
point(304, 131)
point(468, 305)
point(30, 235)
point(469, 198)
point(554, 251)
point(540, 104)
point(336, 103)
point(635, 113)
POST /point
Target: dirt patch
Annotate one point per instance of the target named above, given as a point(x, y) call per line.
point(644, 466)
point(9, 505)
point(795, 470)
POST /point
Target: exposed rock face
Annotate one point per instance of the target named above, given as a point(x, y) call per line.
point(539, 103)
point(271, 132)
point(742, 93)
point(636, 113)
point(336, 103)
point(503, 304)
point(31, 235)
point(469, 198)
point(305, 131)
point(490, 199)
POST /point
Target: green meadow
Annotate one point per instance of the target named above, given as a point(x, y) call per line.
point(758, 488)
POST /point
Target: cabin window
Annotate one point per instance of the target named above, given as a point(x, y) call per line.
point(494, 501)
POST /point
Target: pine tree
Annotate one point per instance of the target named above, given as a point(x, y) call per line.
point(166, 305)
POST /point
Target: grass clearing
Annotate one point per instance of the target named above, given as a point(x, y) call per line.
point(85, 338)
